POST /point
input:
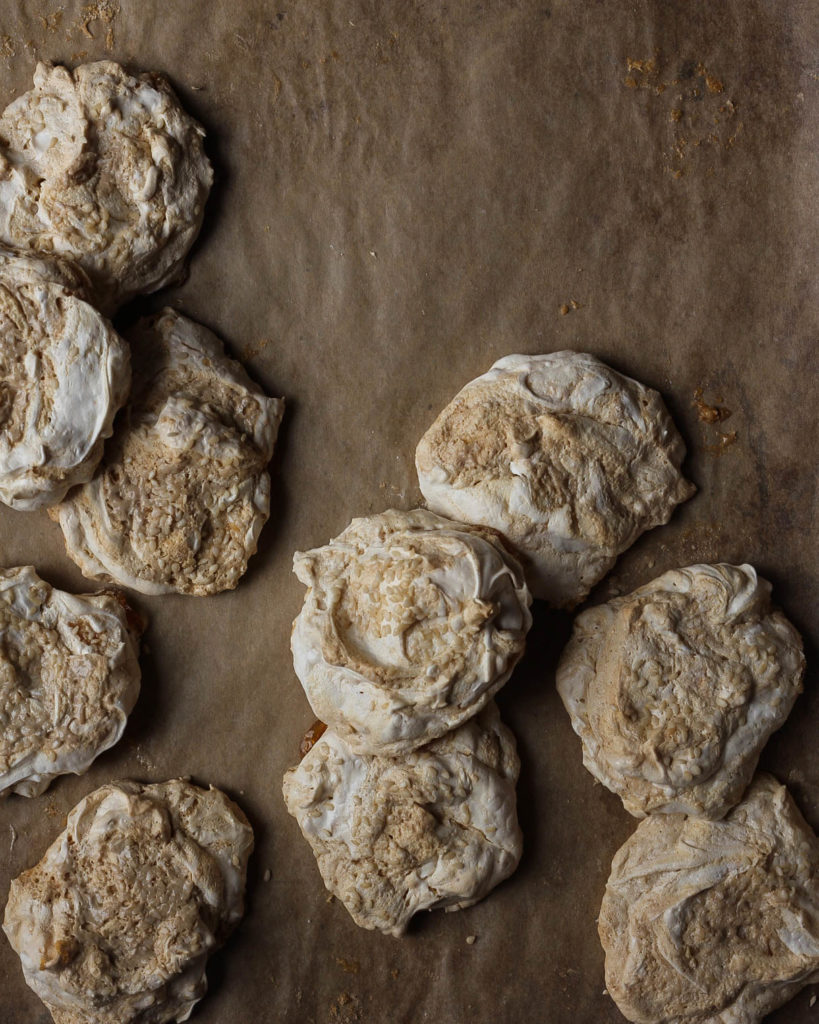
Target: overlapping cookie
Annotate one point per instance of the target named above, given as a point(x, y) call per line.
point(675, 688)
point(183, 490)
point(568, 459)
point(64, 373)
point(410, 624)
point(107, 169)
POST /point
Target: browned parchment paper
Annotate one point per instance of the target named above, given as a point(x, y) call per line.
point(407, 190)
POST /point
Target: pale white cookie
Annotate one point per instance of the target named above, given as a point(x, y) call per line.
point(570, 460)
point(410, 624)
point(433, 828)
point(183, 491)
point(69, 678)
point(64, 373)
point(714, 922)
point(106, 168)
point(116, 922)
point(675, 688)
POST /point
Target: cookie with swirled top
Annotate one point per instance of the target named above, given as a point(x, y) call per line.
point(183, 491)
point(69, 678)
point(105, 168)
point(64, 373)
point(434, 828)
point(568, 459)
point(411, 622)
point(117, 920)
point(675, 688)
point(714, 922)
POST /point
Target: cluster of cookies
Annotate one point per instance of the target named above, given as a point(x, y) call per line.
point(151, 454)
point(550, 466)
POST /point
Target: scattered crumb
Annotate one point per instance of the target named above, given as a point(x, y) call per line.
point(267, 875)
point(7, 46)
point(255, 348)
point(13, 835)
point(470, 940)
point(348, 966)
point(574, 304)
point(346, 1009)
point(564, 309)
point(812, 1000)
point(709, 413)
point(725, 441)
point(394, 973)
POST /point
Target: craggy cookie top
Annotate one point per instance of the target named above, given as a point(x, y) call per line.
point(106, 168)
point(183, 490)
point(115, 924)
point(436, 827)
point(570, 460)
point(675, 688)
point(410, 624)
point(64, 373)
point(714, 922)
point(69, 678)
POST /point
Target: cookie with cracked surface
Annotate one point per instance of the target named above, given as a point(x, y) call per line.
point(69, 678)
point(183, 490)
point(116, 922)
point(108, 169)
point(568, 459)
point(410, 624)
point(64, 373)
point(434, 828)
point(675, 688)
point(714, 922)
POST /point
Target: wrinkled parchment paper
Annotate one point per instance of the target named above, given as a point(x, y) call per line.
point(407, 190)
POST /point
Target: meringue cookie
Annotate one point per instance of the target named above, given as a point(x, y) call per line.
point(675, 688)
point(183, 491)
point(394, 835)
point(64, 373)
point(570, 460)
point(69, 678)
point(117, 920)
point(714, 922)
point(107, 169)
point(410, 624)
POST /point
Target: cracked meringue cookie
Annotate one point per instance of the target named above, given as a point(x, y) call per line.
point(410, 624)
point(117, 920)
point(568, 459)
point(434, 828)
point(64, 373)
point(709, 922)
point(183, 490)
point(69, 678)
point(106, 169)
point(675, 688)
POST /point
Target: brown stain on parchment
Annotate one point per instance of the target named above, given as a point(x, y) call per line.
point(700, 116)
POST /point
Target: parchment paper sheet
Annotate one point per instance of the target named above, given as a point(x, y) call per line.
point(405, 192)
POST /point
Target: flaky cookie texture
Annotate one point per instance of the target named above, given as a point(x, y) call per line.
point(106, 168)
point(116, 922)
point(709, 922)
point(410, 624)
point(570, 460)
point(69, 678)
point(64, 373)
point(675, 688)
point(394, 835)
point(183, 491)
